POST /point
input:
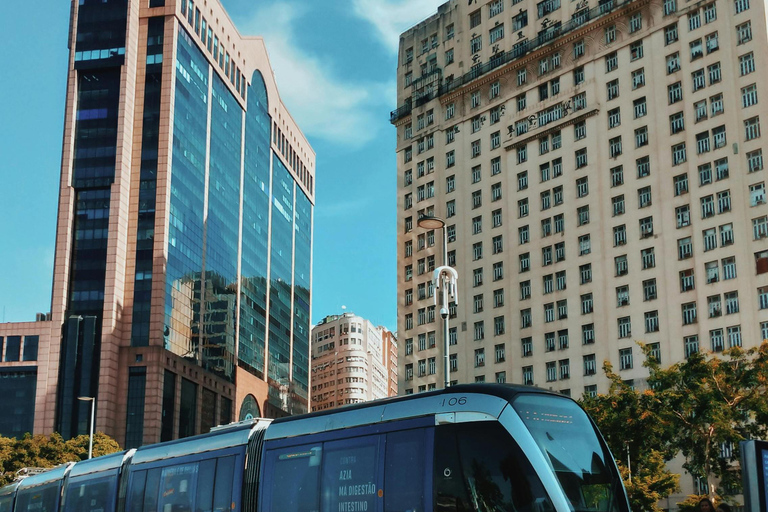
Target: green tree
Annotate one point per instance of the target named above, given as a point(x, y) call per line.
point(42, 451)
point(712, 401)
point(636, 436)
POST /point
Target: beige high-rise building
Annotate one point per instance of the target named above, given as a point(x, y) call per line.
point(599, 168)
point(352, 362)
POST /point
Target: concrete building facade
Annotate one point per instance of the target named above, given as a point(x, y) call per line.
point(599, 168)
point(183, 261)
point(353, 361)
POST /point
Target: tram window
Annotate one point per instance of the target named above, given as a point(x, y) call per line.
point(205, 476)
point(152, 489)
point(349, 480)
point(177, 488)
point(222, 496)
point(479, 467)
point(91, 495)
point(43, 498)
point(136, 491)
point(5, 503)
point(405, 472)
point(294, 475)
point(568, 440)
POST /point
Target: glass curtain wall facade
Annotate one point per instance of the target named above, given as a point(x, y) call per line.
point(183, 253)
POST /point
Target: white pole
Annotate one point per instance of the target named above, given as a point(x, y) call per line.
point(90, 441)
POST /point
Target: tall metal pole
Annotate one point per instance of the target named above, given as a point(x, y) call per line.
point(90, 441)
point(444, 280)
point(93, 409)
point(446, 343)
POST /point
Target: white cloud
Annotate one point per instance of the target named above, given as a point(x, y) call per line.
point(392, 17)
point(323, 105)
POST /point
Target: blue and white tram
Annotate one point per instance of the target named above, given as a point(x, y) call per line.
point(471, 448)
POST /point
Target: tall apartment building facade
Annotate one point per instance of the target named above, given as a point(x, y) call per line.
point(599, 167)
point(352, 362)
point(183, 260)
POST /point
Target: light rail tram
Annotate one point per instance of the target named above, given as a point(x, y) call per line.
point(469, 448)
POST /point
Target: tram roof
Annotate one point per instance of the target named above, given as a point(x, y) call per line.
point(488, 399)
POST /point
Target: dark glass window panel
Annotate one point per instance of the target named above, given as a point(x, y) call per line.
point(225, 474)
point(404, 474)
point(43, 498)
point(136, 494)
point(91, 495)
point(151, 496)
point(12, 348)
point(207, 411)
point(294, 476)
point(187, 408)
point(134, 422)
point(225, 414)
point(169, 403)
point(19, 385)
point(206, 474)
point(30, 348)
point(177, 487)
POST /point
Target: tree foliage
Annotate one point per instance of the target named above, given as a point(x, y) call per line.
point(694, 407)
point(636, 436)
point(713, 402)
point(42, 451)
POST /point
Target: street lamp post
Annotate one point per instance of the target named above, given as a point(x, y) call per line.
point(93, 408)
point(444, 278)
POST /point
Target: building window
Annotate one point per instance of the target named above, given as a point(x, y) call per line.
point(747, 64)
point(755, 160)
point(691, 345)
point(649, 290)
point(684, 248)
point(741, 5)
point(625, 327)
point(752, 128)
point(590, 364)
point(625, 358)
point(689, 313)
point(619, 235)
point(675, 92)
point(648, 257)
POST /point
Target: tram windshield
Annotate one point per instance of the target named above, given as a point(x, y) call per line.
point(582, 463)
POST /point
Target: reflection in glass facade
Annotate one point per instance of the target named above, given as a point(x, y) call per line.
point(212, 232)
point(221, 233)
point(280, 284)
point(256, 187)
point(174, 232)
point(301, 294)
point(185, 225)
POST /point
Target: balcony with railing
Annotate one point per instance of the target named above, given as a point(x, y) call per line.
point(579, 19)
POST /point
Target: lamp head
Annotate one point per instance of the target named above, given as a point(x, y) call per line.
point(428, 222)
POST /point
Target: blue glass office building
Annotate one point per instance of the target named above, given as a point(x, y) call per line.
point(184, 247)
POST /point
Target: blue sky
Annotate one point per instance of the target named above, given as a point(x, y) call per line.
point(334, 61)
